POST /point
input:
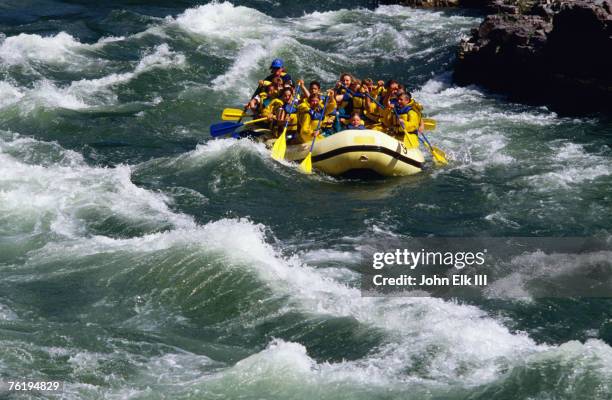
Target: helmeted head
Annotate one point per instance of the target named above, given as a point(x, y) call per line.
point(277, 65)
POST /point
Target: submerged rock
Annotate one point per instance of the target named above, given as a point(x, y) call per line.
point(554, 52)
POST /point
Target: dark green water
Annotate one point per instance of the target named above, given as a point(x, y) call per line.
point(140, 260)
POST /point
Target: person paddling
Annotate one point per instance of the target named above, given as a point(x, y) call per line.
point(309, 114)
point(402, 117)
point(277, 70)
point(284, 113)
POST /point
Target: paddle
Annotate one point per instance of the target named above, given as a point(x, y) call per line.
point(411, 140)
point(306, 165)
point(260, 84)
point(233, 114)
point(438, 155)
point(280, 146)
point(226, 128)
point(430, 124)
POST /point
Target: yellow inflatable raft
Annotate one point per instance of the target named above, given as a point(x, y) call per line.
point(359, 151)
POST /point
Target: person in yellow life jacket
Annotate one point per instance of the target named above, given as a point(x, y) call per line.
point(376, 117)
point(271, 110)
point(372, 114)
point(309, 114)
point(402, 117)
point(368, 84)
point(282, 110)
point(355, 122)
point(352, 101)
point(345, 79)
point(277, 70)
point(417, 107)
point(262, 100)
point(389, 91)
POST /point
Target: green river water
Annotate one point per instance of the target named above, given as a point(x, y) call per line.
point(139, 259)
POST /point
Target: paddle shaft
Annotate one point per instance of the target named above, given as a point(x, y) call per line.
point(319, 124)
point(293, 105)
point(366, 93)
point(253, 121)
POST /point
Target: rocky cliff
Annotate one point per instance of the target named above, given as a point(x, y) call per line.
point(554, 52)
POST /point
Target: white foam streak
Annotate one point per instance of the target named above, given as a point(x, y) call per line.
point(572, 166)
point(61, 48)
point(62, 199)
point(88, 93)
point(6, 314)
point(9, 94)
point(24, 47)
point(226, 21)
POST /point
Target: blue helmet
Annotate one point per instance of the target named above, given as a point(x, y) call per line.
point(277, 63)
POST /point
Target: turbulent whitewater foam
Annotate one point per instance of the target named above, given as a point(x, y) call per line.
point(87, 93)
point(6, 314)
point(226, 22)
point(572, 165)
point(61, 48)
point(63, 199)
point(62, 216)
point(9, 94)
point(23, 48)
point(256, 38)
point(59, 200)
point(530, 270)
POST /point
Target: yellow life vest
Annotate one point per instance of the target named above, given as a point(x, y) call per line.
point(309, 118)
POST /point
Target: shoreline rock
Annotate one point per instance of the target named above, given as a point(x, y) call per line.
point(558, 53)
point(443, 3)
point(546, 52)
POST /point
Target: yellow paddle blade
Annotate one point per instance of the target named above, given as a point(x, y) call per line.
point(411, 141)
point(306, 164)
point(280, 146)
point(438, 155)
point(232, 114)
point(430, 124)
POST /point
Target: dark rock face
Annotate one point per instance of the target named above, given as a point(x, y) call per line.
point(442, 3)
point(557, 53)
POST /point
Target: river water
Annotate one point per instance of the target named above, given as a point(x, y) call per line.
point(140, 259)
